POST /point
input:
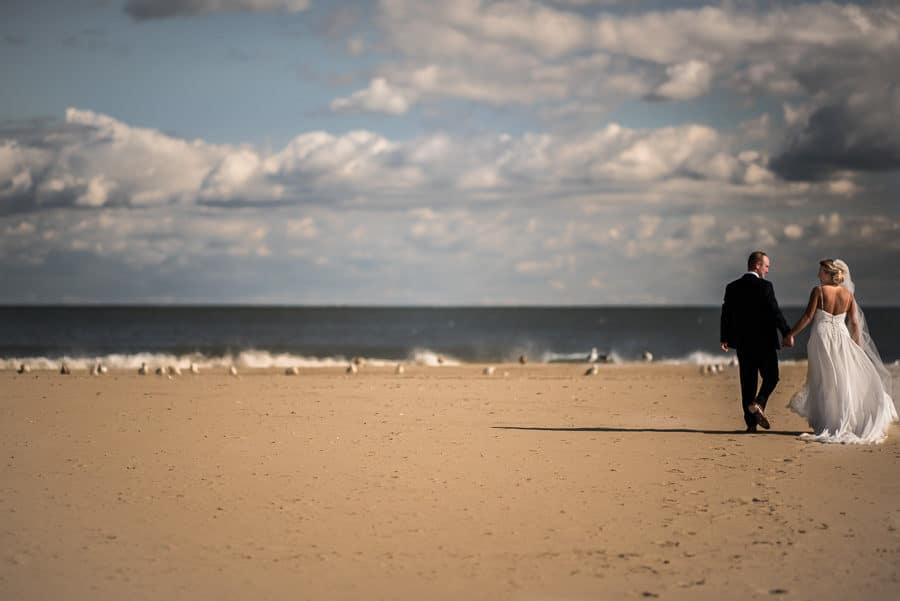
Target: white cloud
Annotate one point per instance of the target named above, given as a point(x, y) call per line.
point(134, 165)
point(97, 192)
point(104, 162)
point(685, 80)
point(736, 234)
point(379, 97)
point(552, 58)
point(529, 205)
point(843, 187)
point(830, 224)
point(510, 52)
point(660, 153)
point(19, 168)
point(793, 231)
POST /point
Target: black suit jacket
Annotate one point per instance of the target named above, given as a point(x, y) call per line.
point(751, 319)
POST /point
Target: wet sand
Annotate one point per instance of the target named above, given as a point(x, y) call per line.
point(442, 483)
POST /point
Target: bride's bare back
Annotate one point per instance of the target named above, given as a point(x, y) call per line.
point(834, 299)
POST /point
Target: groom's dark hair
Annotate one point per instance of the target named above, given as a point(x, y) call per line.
point(755, 259)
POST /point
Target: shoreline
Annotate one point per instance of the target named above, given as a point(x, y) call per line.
point(130, 363)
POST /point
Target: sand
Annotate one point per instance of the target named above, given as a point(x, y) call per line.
point(442, 483)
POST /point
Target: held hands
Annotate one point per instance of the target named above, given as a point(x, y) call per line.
point(724, 346)
point(788, 341)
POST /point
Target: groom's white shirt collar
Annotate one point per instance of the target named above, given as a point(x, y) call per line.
point(753, 273)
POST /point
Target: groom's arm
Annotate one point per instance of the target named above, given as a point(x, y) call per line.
point(780, 321)
point(724, 320)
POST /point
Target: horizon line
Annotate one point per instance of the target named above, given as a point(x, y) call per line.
point(251, 305)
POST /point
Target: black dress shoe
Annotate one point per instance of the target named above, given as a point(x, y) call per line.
point(750, 429)
point(761, 418)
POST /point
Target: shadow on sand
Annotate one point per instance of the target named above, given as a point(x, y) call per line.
point(654, 430)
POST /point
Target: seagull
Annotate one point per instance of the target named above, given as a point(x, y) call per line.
point(195, 369)
point(174, 370)
point(64, 370)
point(594, 356)
point(400, 369)
point(488, 371)
point(143, 369)
point(160, 371)
point(523, 359)
point(593, 370)
point(232, 370)
point(352, 369)
point(98, 369)
point(24, 369)
point(291, 371)
point(648, 356)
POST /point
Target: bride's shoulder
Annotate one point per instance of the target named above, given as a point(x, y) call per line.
point(844, 297)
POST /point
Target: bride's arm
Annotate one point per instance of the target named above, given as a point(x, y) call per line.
point(854, 321)
point(808, 314)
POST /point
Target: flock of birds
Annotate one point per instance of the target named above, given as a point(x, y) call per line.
point(711, 369)
point(594, 359)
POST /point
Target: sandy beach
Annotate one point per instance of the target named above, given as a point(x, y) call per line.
point(443, 483)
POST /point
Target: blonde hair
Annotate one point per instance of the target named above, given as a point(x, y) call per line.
point(832, 269)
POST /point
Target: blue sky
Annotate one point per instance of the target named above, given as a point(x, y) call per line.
point(474, 152)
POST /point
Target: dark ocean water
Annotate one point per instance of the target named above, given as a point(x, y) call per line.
point(276, 336)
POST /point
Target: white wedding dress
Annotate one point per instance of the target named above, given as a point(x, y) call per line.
point(845, 398)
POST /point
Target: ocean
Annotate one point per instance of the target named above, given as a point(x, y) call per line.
point(124, 337)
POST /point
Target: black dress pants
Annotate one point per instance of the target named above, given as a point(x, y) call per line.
point(754, 363)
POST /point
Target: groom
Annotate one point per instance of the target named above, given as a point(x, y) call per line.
point(750, 324)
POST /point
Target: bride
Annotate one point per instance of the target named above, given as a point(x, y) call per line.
point(847, 395)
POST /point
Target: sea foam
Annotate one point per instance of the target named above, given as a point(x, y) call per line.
point(251, 359)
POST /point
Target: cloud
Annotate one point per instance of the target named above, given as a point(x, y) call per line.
point(434, 253)
point(783, 50)
point(793, 231)
point(379, 97)
point(758, 128)
point(141, 10)
point(685, 80)
point(304, 229)
point(360, 206)
point(93, 160)
point(860, 133)
point(504, 53)
point(558, 59)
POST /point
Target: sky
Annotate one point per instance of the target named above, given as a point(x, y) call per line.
point(406, 152)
